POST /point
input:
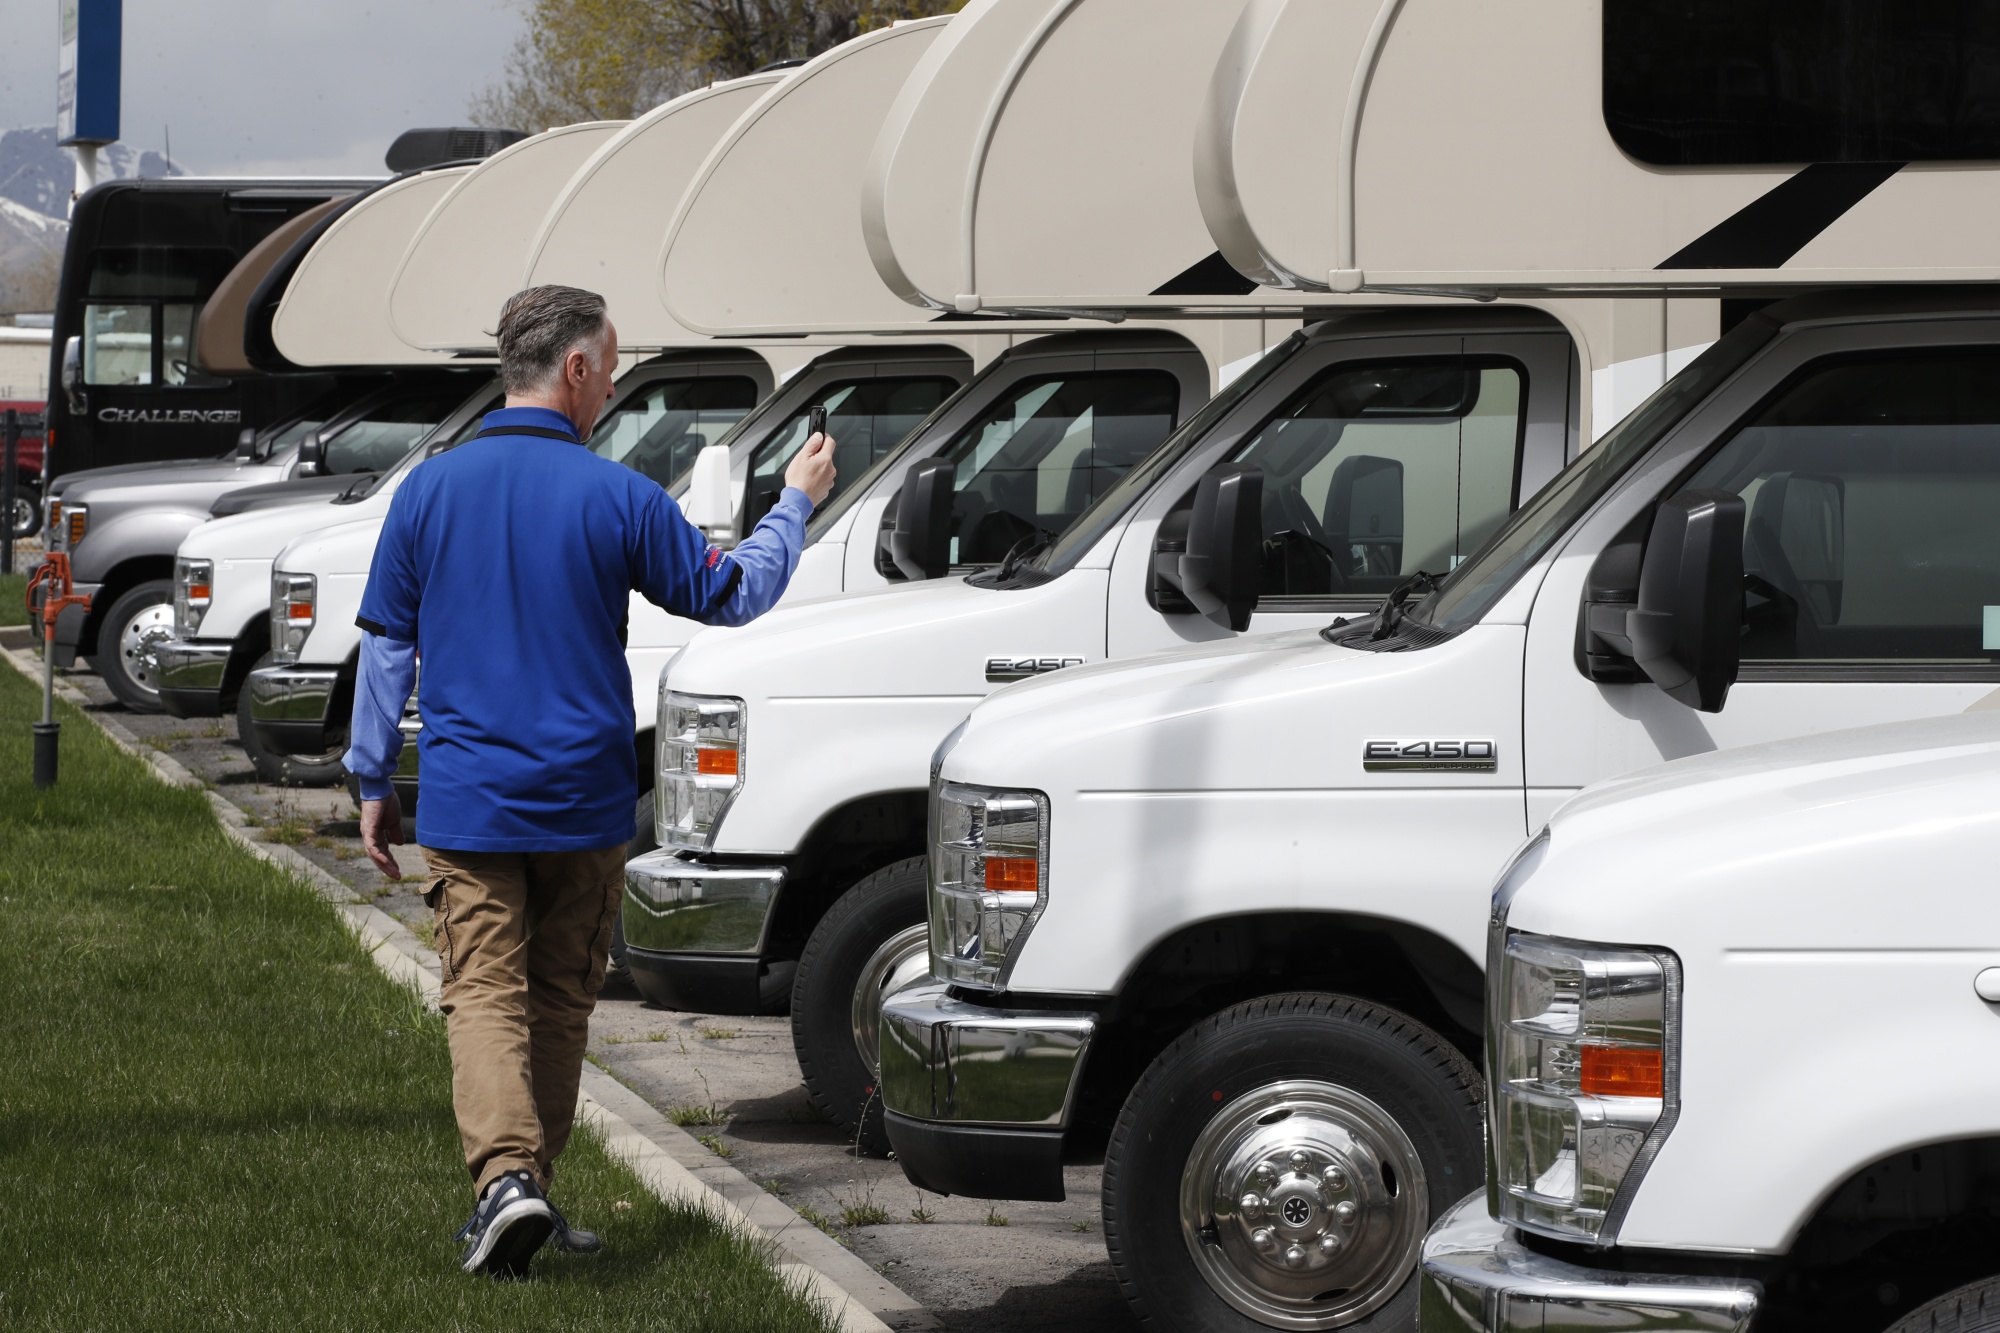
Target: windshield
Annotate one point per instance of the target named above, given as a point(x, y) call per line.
point(658, 430)
point(845, 497)
point(1469, 591)
point(1082, 534)
point(867, 419)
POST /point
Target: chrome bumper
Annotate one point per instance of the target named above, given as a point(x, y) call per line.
point(684, 907)
point(946, 1060)
point(1477, 1278)
point(290, 707)
point(188, 664)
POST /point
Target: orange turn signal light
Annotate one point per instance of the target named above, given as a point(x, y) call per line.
point(1012, 874)
point(716, 763)
point(197, 592)
point(77, 523)
point(1622, 1071)
point(298, 610)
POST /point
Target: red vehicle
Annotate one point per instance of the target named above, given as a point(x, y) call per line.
point(27, 515)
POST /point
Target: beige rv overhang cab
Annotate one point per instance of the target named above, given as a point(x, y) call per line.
point(467, 258)
point(603, 232)
point(335, 310)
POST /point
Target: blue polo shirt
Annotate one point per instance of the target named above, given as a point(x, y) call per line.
point(508, 563)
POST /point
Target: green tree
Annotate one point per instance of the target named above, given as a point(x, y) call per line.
point(615, 59)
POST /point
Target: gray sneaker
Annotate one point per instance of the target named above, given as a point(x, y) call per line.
point(573, 1240)
point(512, 1221)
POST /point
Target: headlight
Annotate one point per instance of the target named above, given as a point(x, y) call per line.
point(75, 522)
point(193, 581)
point(294, 605)
point(1583, 1064)
point(700, 767)
point(989, 860)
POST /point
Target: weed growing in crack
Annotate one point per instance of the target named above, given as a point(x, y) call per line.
point(686, 1115)
point(715, 1145)
point(719, 1034)
point(994, 1218)
point(920, 1213)
point(862, 1210)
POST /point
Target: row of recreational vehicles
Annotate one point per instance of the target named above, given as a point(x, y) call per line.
point(1288, 451)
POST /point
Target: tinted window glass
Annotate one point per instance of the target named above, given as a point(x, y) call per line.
point(390, 430)
point(118, 343)
point(866, 418)
point(1872, 503)
point(659, 428)
point(1375, 472)
point(1711, 82)
point(1047, 449)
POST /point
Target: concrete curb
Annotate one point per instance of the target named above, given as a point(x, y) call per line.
point(671, 1163)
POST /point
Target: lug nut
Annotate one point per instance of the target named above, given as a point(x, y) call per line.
point(1329, 1245)
point(1295, 1257)
point(1335, 1178)
point(1262, 1238)
point(1300, 1162)
point(1346, 1212)
point(1264, 1175)
point(1252, 1205)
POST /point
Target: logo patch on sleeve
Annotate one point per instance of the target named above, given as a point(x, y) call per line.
point(714, 557)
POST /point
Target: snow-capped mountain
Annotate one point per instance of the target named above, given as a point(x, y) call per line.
point(38, 175)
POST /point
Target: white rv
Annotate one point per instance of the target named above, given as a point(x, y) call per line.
point(1219, 914)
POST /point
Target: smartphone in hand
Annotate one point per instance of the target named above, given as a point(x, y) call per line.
point(815, 421)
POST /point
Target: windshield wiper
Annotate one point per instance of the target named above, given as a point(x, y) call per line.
point(1021, 552)
point(1390, 615)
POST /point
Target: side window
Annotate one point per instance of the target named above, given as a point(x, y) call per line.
point(1047, 449)
point(1871, 491)
point(867, 418)
point(1375, 472)
point(117, 343)
point(382, 436)
point(659, 429)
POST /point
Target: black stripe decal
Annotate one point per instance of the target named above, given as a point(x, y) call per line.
point(1211, 277)
point(1780, 223)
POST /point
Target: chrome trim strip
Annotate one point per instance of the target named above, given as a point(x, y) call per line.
point(677, 906)
point(1477, 1278)
point(946, 1060)
point(291, 693)
point(185, 664)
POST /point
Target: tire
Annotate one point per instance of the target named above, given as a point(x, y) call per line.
point(1223, 1114)
point(131, 633)
point(1972, 1308)
point(859, 946)
point(27, 516)
point(285, 770)
point(642, 842)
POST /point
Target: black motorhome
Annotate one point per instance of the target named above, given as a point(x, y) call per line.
point(143, 258)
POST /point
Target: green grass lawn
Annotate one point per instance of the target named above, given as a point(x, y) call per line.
point(216, 1114)
point(13, 599)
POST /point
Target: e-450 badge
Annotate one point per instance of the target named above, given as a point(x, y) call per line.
point(1003, 668)
point(1429, 756)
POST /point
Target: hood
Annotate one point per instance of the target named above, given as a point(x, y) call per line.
point(1791, 844)
point(270, 494)
point(341, 548)
point(216, 467)
point(173, 484)
point(262, 533)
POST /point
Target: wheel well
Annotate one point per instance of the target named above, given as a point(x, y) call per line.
point(849, 843)
point(642, 750)
point(1904, 1228)
point(251, 644)
point(1206, 967)
point(120, 580)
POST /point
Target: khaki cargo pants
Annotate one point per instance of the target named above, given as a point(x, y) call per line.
point(524, 938)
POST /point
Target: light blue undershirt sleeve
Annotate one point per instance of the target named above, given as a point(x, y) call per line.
point(382, 684)
point(767, 558)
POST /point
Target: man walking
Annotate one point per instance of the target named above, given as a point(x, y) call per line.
point(506, 565)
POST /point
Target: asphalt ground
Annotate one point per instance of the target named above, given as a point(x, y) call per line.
point(979, 1267)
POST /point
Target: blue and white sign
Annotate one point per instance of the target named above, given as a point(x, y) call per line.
point(88, 36)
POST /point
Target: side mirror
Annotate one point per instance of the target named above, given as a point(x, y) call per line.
point(312, 455)
point(1223, 567)
point(1686, 627)
point(707, 499)
point(246, 442)
point(920, 543)
point(72, 377)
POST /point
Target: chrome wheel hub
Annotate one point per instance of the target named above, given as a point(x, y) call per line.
point(139, 644)
point(903, 958)
point(1303, 1205)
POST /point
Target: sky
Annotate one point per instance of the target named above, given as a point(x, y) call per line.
point(273, 87)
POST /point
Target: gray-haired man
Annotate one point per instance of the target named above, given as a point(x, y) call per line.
point(507, 565)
